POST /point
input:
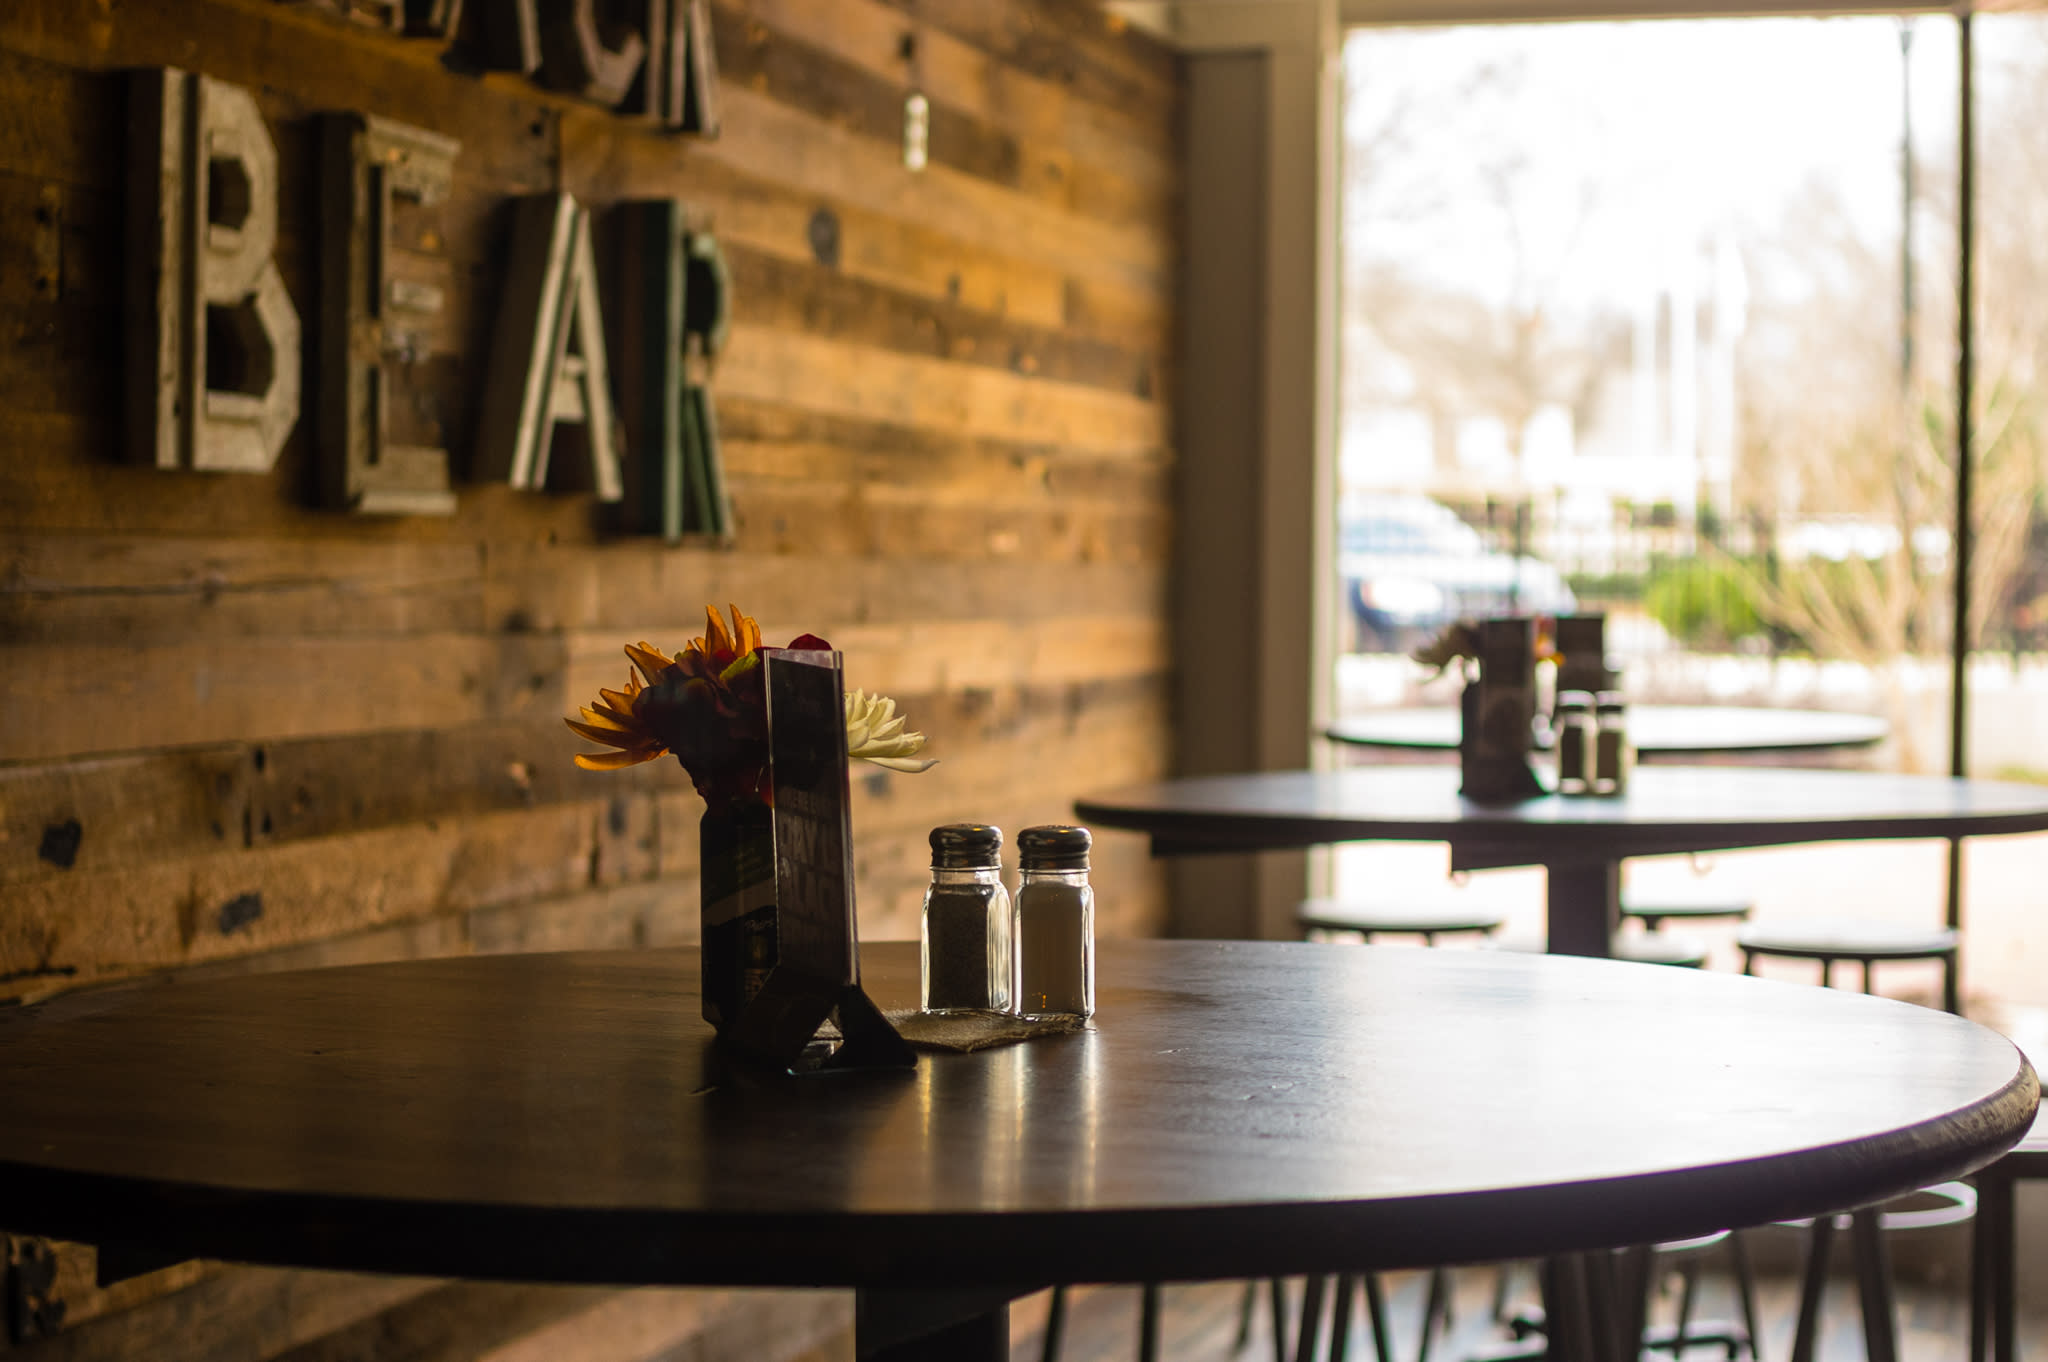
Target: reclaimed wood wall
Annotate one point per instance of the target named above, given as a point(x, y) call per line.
point(239, 732)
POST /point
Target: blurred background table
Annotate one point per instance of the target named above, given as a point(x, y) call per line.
point(1580, 840)
point(1660, 732)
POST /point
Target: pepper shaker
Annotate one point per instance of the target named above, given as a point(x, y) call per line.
point(1055, 931)
point(1573, 742)
point(1613, 757)
point(965, 940)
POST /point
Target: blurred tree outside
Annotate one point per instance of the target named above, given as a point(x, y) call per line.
point(1831, 424)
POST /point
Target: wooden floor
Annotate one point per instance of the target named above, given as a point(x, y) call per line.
point(1201, 1322)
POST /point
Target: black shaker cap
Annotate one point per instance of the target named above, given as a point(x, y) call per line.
point(966, 846)
point(1054, 846)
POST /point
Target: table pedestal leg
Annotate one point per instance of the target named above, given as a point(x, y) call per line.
point(933, 1326)
point(1585, 906)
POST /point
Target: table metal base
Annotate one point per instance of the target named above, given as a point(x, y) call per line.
point(1584, 906)
point(934, 1326)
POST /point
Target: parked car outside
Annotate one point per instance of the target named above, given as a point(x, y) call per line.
point(1410, 566)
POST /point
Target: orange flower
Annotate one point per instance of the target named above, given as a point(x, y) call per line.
point(613, 722)
point(708, 706)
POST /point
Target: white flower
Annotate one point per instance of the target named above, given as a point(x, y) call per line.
point(874, 732)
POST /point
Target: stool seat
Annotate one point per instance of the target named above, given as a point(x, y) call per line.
point(1661, 948)
point(1831, 940)
point(2028, 1158)
point(1371, 919)
point(1650, 909)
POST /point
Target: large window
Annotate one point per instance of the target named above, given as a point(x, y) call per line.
point(1660, 319)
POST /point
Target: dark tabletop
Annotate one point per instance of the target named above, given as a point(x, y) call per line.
point(1238, 1110)
point(1657, 731)
point(1666, 809)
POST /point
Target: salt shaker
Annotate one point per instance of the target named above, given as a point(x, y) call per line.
point(1055, 932)
point(965, 942)
point(1613, 757)
point(1574, 742)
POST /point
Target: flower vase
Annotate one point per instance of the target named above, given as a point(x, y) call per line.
point(737, 890)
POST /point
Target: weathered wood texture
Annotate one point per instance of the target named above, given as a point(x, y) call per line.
point(242, 732)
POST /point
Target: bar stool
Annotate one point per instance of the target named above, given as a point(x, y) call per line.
point(1684, 1256)
point(1866, 943)
point(1366, 921)
point(1991, 1245)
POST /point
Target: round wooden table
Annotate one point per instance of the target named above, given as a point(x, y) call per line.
point(1663, 733)
point(1238, 1110)
point(1580, 840)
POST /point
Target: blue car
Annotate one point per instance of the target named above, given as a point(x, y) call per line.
point(1410, 566)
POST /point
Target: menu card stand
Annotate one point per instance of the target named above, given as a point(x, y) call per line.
point(1496, 712)
point(816, 972)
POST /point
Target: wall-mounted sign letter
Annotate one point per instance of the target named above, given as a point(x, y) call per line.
point(501, 35)
point(590, 48)
point(548, 382)
point(433, 18)
point(700, 92)
point(649, 267)
point(383, 279)
point(213, 339)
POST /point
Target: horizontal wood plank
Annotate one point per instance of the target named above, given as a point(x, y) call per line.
point(70, 699)
point(824, 303)
point(142, 589)
point(239, 902)
point(153, 588)
point(826, 376)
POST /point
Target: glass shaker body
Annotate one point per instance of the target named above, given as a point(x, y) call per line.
point(1573, 743)
point(1055, 931)
point(964, 943)
point(1613, 757)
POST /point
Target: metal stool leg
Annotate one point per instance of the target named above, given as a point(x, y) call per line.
point(1148, 1322)
point(1688, 1292)
point(1745, 1286)
point(1433, 1305)
point(1244, 1319)
point(1279, 1291)
point(1376, 1307)
point(1311, 1319)
point(2003, 1298)
point(1991, 1270)
point(1340, 1315)
point(1055, 1325)
point(1874, 1285)
point(1951, 993)
point(1804, 1337)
